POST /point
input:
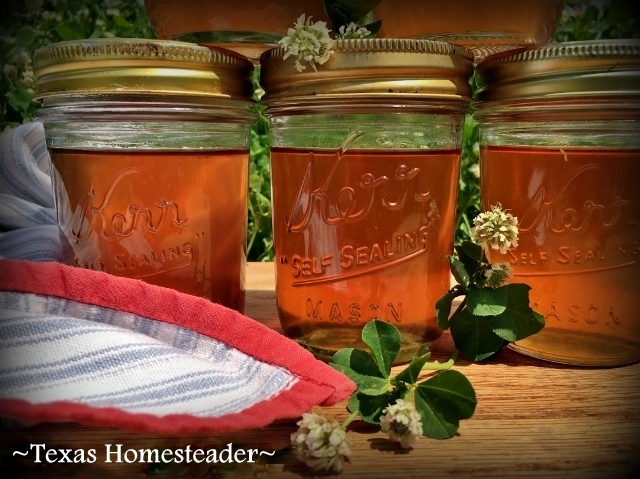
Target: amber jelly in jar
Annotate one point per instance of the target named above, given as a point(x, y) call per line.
point(560, 148)
point(149, 145)
point(364, 167)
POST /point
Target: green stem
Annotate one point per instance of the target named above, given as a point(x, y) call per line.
point(466, 219)
point(435, 366)
point(348, 421)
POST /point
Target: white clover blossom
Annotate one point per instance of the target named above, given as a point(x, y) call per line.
point(475, 170)
point(23, 58)
point(352, 31)
point(496, 229)
point(321, 443)
point(402, 422)
point(308, 42)
point(48, 15)
point(27, 80)
point(498, 274)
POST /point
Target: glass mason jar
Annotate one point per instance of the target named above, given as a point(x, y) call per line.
point(560, 148)
point(149, 145)
point(485, 27)
point(248, 27)
point(364, 168)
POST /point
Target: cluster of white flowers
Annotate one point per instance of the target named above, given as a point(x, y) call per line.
point(83, 12)
point(48, 15)
point(498, 274)
point(475, 170)
point(402, 422)
point(308, 42)
point(352, 31)
point(20, 72)
point(496, 229)
point(321, 443)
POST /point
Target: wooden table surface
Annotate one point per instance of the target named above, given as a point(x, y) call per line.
point(533, 419)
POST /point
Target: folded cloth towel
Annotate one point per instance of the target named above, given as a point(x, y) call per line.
point(98, 349)
point(28, 225)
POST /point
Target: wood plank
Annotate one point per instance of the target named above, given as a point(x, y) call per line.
point(534, 419)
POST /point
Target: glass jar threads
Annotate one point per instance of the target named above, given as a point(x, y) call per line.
point(149, 145)
point(365, 161)
point(560, 148)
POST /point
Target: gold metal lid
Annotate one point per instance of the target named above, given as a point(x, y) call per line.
point(135, 66)
point(603, 69)
point(372, 68)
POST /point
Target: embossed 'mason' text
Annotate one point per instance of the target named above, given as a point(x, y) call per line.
point(352, 312)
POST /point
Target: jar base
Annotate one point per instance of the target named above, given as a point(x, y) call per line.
point(323, 344)
point(578, 348)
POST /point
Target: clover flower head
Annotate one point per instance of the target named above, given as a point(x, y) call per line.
point(27, 80)
point(475, 170)
point(321, 443)
point(352, 31)
point(498, 274)
point(402, 422)
point(23, 58)
point(496, 229)
point(308, 42)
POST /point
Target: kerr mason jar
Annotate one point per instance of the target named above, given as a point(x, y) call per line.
point(365, 161)
point(560, 148)
point(149, 145)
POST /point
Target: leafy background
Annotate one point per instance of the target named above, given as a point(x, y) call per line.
point(26, 25)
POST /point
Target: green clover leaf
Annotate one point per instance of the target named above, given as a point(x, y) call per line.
point(384, 340)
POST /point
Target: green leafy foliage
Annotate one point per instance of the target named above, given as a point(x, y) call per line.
point(518, 320)
point(459, 271)
point(473, 335)
point(410, 374)
point(488, 318)
point(468, 205)
point(442, 399)
point(384, 340)
point(343, 12)
point(259, 230)
point(487, 301)
point(590, 20)
point(443, 306)
point(29, 25)
point(360, 367)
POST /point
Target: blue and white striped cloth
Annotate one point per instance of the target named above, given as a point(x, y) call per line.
point(52, 349)
point(28, 225)
point(99, 349)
